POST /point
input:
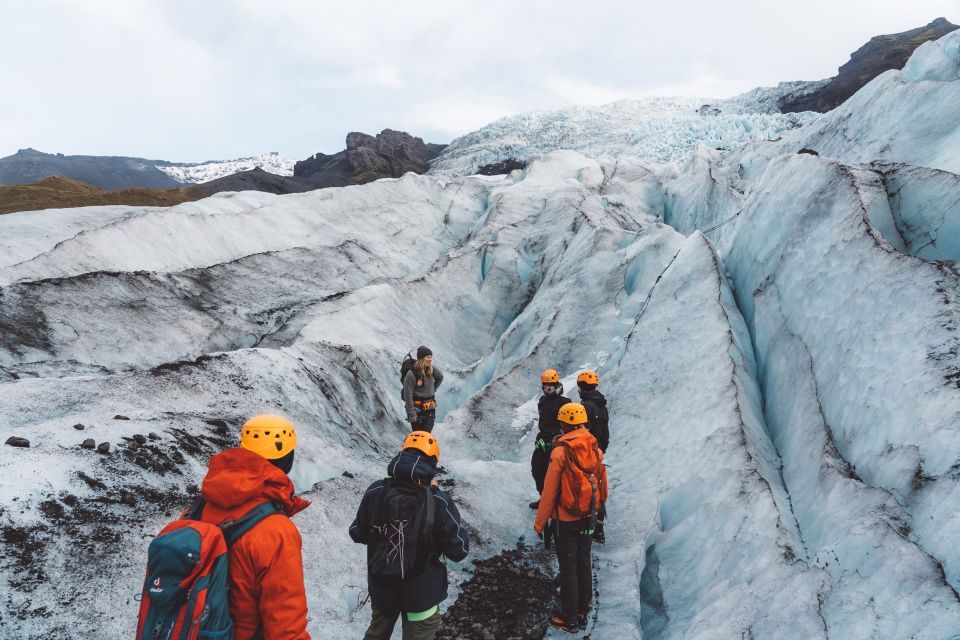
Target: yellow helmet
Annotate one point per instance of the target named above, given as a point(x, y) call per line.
point(588, 377)
point(550, 376)
point(423, 441)
point(572, 413)
point(271, 436)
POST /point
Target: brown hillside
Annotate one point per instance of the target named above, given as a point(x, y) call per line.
point(57, 192)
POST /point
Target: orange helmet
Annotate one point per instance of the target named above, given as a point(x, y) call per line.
point(550, 376)
point(572, 413)
point(423, 441)
point(588, 377)
point(271, 436)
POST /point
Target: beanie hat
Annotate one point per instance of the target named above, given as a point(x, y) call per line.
point(423, 352)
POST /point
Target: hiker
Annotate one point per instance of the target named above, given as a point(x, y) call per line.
point(598, 424)
point(245, 551)
point(407, 524)
point(420, 384)
point(549, 428)
point(574, 491)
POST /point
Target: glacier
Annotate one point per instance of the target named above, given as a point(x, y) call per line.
point(774, 322)
point(200, 172)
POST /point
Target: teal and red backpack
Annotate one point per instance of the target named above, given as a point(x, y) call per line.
point(185, 591)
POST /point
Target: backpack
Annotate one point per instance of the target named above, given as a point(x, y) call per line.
point(406, 366)
point(185, 591)
point(403, 523)
point(580, 485)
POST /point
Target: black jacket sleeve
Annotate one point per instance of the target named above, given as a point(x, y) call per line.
point(452, 539)
point(360, 529)
point(599, 423)
point(603, 429)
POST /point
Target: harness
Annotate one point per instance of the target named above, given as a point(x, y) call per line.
point(425, 405)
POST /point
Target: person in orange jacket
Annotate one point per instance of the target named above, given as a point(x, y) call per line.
point(267, 597)
point(574, 492)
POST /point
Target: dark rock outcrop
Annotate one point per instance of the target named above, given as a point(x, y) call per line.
point(880, 54)
point(257, 180)
point(501, 168)
point(389, 154)
point(16, 441)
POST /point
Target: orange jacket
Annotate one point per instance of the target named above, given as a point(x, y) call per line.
point(582, 442)
point(266, 569)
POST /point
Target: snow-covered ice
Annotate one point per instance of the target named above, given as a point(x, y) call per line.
point(661, 130)
point(200, 172)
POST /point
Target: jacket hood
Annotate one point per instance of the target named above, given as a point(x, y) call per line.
point(238, 478)
point(593, 396)
point(582, 442)
point(411, 464)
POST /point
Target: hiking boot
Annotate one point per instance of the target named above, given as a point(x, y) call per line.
point(535, 505)
point(559, 622)
point(582, 621)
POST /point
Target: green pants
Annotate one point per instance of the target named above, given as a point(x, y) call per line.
point(381, 626)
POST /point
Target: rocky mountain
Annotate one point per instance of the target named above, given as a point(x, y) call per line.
point(58, 192)
point(881, 53)
point(106, 172)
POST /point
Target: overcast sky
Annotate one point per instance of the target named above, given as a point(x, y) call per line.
point(192, 80)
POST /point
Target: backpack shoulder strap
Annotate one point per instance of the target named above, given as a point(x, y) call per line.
point(233, 531)
point(379, 510)
point(193, 510)
point(429, 515)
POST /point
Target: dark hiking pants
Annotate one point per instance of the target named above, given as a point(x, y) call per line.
point(425, 420)
point(381, 626)
point(576, 578)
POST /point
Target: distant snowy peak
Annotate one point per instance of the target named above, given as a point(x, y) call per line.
point(657, 129)
point(198, 173)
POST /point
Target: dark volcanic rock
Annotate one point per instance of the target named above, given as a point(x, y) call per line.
point(389, 154)
point(89, 443)
point(509, 596)
point(881, 54)
point(502, 167)
point(103, 447)
point(78, 427)
point(366, 158)
point(257, 180)
point(119, 417)
point(15, 441)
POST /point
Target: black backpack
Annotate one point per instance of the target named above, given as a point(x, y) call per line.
point(407, 365)
point(403, 522)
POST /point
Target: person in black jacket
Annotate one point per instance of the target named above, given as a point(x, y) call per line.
point(408, 525)
point(549, 428)
point(598, 424)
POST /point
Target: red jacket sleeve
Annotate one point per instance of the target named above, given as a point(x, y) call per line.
point(267, 591)
point(551, 490)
